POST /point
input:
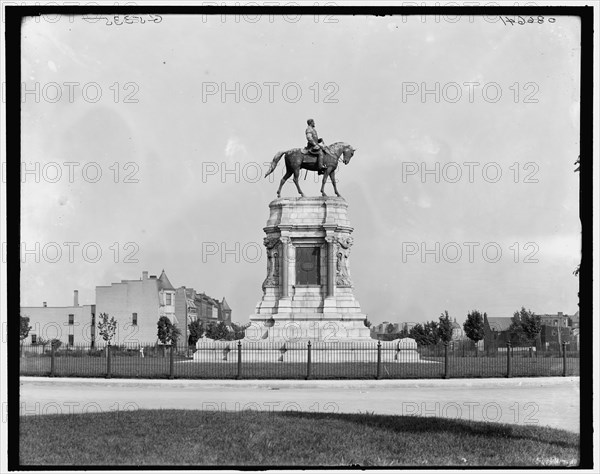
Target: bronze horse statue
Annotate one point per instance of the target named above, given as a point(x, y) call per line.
point(295, 160)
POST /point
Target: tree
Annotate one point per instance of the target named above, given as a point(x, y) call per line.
point(525, 326)
point(444, 328)
point(474, 327)
point(578, 163)
point(168, 333)
point(25, 328)
point(515, 330)
point(388, 336)
point(389, 328)
point(531, 324)
point(217, 331)
point(107, 329)
point(404, 332)
point(419, 334)
point(42, 342)
point(196, 330)
point(432, 332)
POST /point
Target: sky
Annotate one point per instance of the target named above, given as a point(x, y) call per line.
point(461, 192)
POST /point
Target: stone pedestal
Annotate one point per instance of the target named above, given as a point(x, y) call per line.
point(407, 350)
point(307, 293)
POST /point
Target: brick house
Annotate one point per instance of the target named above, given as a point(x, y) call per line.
point(555, 330)
point(495, 331)
point(191, 306)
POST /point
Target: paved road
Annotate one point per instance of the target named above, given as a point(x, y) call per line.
point(551, 401)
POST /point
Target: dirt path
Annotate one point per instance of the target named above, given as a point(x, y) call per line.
point(549, 401)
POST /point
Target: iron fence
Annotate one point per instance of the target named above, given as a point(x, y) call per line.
point(237, 360)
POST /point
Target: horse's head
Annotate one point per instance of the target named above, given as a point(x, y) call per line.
point(348, 154)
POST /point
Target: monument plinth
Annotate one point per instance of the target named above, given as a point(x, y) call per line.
point(307, 293)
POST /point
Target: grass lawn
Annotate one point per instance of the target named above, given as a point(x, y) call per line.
point(158, 367)
point(181, 437)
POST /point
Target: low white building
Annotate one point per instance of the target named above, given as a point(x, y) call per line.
point(72, 325)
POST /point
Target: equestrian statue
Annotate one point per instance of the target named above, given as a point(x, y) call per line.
point(315, 157)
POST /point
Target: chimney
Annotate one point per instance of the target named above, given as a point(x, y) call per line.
point(44, 304)
point(560, 314)
point(75, 297)
point(144, 275)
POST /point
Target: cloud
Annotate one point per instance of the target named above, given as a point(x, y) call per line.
point(234, 147)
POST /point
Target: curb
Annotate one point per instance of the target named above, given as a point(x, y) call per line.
point(515, 382)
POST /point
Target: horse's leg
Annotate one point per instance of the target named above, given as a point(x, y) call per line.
point(334, 183)
point(296, 175)
point(325, 174)
point(287, 174)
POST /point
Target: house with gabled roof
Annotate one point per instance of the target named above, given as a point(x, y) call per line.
point(555, 330)
point(495, 330)
point(137, 305)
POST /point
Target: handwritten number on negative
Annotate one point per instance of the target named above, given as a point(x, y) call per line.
point(522, 21)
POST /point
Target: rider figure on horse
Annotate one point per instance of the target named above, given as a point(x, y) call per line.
point(315, 145)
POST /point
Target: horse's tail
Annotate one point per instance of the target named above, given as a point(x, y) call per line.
point(276, 159)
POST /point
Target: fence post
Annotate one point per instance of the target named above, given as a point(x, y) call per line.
point(239, 363)
point(52, 368)
point(108, 374)
point(564, 353)
point(308, 360)
point(378, 360)
point(171, 362)
point(508, 360)
point(446, 361)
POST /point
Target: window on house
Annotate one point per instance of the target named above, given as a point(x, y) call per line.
point(556, 322)
point(71, 339)
point(71, 319)
point(134, 319)
point(168, 298)
point(34, 339)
